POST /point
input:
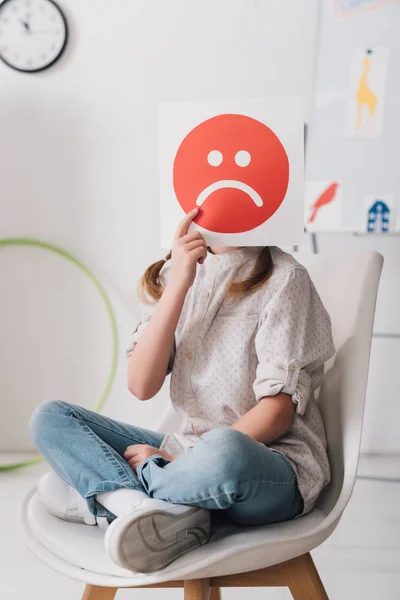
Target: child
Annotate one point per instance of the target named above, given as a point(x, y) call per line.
point(245, 336)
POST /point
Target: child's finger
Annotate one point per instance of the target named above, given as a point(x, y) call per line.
point(130, 452)
point(184, 225)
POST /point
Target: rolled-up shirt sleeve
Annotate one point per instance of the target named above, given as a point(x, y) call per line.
point(146, 314)
point(294, 340)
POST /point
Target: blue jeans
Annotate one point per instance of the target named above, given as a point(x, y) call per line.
point(225, 470)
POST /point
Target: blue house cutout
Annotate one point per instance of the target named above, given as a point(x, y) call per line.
point(378, 217)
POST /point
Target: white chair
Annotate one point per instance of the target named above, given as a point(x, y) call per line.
point(272, 555)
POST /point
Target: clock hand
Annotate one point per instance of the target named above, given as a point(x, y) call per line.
point(26, 25)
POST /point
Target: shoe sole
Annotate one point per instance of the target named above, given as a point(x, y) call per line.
point(151, 541)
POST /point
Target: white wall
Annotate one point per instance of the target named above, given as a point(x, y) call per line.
point(78, 153)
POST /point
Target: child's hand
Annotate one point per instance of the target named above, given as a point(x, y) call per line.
point(187, 250)
point(136, 454)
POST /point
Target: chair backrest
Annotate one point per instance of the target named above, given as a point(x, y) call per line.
point(348, 286)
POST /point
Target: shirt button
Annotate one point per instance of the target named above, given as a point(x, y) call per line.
point(215, 259)
point(205, 294)
point(292, 368)
point(189, 355)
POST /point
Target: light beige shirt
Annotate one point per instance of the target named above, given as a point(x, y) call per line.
point(231, 352)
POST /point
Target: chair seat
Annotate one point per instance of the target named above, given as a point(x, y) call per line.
point(78, 551)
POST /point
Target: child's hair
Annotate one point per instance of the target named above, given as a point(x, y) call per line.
point(150, 283)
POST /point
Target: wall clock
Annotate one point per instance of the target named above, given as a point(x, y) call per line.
point(33, 34)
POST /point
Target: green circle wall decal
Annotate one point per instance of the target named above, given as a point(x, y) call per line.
point(111, 317)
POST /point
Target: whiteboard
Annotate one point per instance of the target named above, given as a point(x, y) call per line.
point(365, 166)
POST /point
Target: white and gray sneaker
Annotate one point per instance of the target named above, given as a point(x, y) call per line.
point(64, 502)
point(154, 533)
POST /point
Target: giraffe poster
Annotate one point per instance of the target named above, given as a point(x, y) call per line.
point(241, 163)
point(366, 96)
point(323, 206)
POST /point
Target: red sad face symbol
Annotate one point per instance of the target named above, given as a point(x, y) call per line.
point(235, 169)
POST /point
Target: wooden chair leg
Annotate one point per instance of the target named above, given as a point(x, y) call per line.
point(215, 593)
point(197, 589)
point(304, 581)
point(96, 592)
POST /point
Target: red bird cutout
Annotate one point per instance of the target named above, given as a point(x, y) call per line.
point(326, 197)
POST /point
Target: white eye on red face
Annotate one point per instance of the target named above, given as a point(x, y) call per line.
point(242, 158)
point(215, 158)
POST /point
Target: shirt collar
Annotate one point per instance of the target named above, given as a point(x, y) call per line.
point(233, 257)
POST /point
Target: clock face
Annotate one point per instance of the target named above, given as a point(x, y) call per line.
point(33, 34)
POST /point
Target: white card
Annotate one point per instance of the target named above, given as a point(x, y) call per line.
point(241, 163)
point(323, 206)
